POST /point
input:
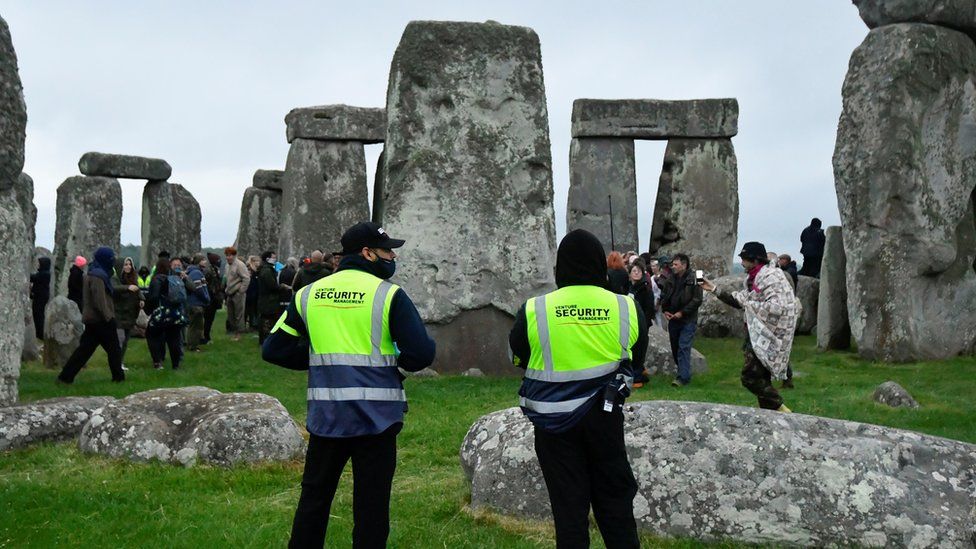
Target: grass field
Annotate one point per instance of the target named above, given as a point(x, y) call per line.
point(52, 495)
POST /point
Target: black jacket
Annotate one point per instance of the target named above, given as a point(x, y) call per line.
point(790, 269)
point(812, 241)
point(268, 296)
point(309, 274)
point(644, 297)
point(619, 283)
point(40, 290)
point(76, 286)
point(682, 294)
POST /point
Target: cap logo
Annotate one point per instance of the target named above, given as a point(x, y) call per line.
point(381, 231)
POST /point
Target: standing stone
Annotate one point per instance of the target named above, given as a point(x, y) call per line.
point(324, 194)
point(833, 328)
point(24, 191)
point(904, 169)
point(170, 221)
point(697, 207)
point(268, 179)
point(808, 294)
point(13, 123)
point(124, 166)
point(89, 215)
point(260, 222)
point(379, 184)
point(62, 331)
point(602, 174)
point(468, 182)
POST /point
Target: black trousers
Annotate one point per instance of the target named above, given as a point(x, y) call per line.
point(373, 464)
point(158, 338)
point(759, 381)
point(584, 466)
point(103, 334)
point(37, 309)
point(209, 313)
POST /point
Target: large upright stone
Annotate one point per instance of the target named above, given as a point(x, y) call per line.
point(833, 328)
point(324, 194)
point(24, 192)
point(603, 176)
point(808, 294)
point(170, 221)
point(956, 14)
point(468, 182)
point(697, 207)
point(336, 123)
point(268, 179)
point(13, 113)
point(655, 118)
point(905, 169)
point(378, 185)
point(260, 222)
point(124, 166)
point(89, 215)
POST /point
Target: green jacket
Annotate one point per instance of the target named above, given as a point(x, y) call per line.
point(126, 304)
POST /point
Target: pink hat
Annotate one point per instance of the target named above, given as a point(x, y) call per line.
point(80, 261)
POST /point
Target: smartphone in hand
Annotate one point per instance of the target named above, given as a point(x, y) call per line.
point(699, 276)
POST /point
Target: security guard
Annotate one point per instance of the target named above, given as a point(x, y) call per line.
point(577, 345)
point(350, 331)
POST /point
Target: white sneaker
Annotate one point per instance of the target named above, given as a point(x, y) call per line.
point(124, 369)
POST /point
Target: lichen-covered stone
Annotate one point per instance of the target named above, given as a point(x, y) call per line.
point(473, 372)
point(257, 231)
point(956, 14)
point(268, 179)
point(892, 394)
point(808, 292)
point(13, 113)
point(170, 221)
point(603, 175)
point(716, 319)
point(697, 207)
point(62, 331)
point(655, 118)
point(50, 420)
point(905, 169)
point(659, 359)
point(324, 194)
point(24, 193)
point(336, 123)
point(194, 424)
point(89, 215)
point(833, 329)
point(714, 472)
point(468, 170)
point(124, 166)
point(12, 292)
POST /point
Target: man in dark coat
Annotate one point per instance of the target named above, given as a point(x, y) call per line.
point(315, 269)
point(812, 241)
point(40, 293)
point(786, 263)
point(680, 299)
point(215, 285)
point(268, 294)
point(76, 281)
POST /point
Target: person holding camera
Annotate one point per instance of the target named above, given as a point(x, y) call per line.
point(578, 346)
point(680, 299)
point(771, 311)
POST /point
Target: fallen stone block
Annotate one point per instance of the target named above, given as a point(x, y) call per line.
point(48, 420)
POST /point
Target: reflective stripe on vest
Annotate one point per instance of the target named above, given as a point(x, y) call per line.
point(356, 393)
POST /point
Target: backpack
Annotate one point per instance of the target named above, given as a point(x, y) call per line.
point(177, 291)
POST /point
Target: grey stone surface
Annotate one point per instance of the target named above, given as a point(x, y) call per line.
point(892, 394)
point(426, 372)
point(716, 319)
point(655, 118)
point(468, 134)
point(268, 179)
point(473, 372)
point(324, 194)
point(124, 166)
point(260, 222)
point(659, 359)
point(194, 424)
point(808, 292)
point(50, 420)
point(956, 14)
point(697, 207)
point(62, 331)
point(476, 338)
point(713, 472)
point(13, 113)
point(89, 215)
point(905, 169)
point(602, 170)
point(833, 328)
point(24, 192)
point(336, 123)
point(170, 221)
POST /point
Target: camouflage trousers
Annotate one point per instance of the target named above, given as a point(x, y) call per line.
point(759, 381)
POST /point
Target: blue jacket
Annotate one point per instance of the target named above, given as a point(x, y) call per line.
point(199, 297)
point(407, 329)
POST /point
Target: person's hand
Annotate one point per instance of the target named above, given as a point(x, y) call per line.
point(133, 288)
point(668, 316)
point(707, 285)
point(678, 315)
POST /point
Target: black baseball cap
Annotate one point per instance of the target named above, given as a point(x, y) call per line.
point(367, 234)
point(753, 250)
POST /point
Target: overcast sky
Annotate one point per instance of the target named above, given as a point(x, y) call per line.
point(206, 85)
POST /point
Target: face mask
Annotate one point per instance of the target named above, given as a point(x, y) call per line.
point(178, 270)
point(385, 267)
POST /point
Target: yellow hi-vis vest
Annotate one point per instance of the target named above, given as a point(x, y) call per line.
point(353, 384)
point(576, 334)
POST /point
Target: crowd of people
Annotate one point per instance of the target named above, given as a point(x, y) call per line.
point(172, 303)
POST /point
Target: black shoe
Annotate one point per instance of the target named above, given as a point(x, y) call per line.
point(157, 365)
point(678, 383)
point(787, 384)
point(60, 381)
point(118, 380)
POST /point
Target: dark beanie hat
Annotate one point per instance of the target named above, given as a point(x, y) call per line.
point(754, 251)
point(581, 261)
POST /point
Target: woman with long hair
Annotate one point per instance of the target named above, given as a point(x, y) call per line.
point(128, 301)
point(617, 273)
point(168, 316)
